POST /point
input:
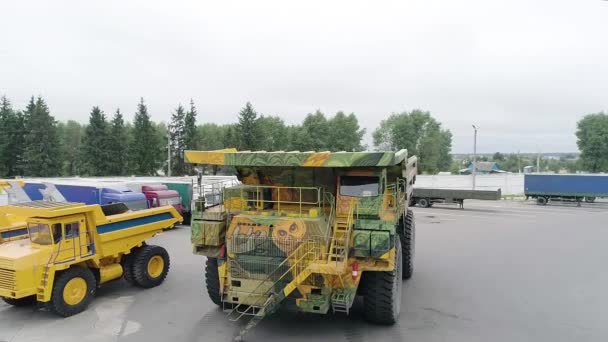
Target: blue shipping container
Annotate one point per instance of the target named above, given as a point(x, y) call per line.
point(566, 185)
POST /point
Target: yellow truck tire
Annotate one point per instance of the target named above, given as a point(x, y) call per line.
point(25, 301)
point(382, 299)
point(212, 280)
point(73, 291)
point(127, 267)
point(407, 235)
point(150, 266)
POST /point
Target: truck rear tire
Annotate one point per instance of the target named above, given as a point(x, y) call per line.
point(407, 235)
point(424, 203)
point(150, 266)
point(212, 280)
point(589, 199)
point(382, 301)
point(73, 290)
point(542, 200)
point(127, 267)
point(25, 301)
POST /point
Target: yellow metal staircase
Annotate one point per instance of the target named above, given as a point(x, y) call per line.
point(305, 260)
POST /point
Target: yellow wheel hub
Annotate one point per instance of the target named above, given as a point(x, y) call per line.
point(156, 266)
point(75, 291)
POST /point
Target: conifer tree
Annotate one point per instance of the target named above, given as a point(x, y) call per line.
point(118, 146)
point(177, 132)
point(247, 128)
point(95, 152)
point(41, 157)
point(144, 149)
point(6, 111)
point(191, 136)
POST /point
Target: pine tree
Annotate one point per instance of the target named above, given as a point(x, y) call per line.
point(95, 154)
point(71, 135)
point(229, 138)
point(177, 132)
point(191, 137)
point(6, 111)
point(41, 157)
point(247, 128)
point(118, 146)
point(144, 149)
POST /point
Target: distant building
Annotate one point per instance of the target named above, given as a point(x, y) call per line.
point(482, 168)
point(529, 169)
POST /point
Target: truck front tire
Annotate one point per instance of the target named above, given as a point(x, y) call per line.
point(407, 235)
point(212, 280)
point(542, 200)
point(73, 291)
point(150, 266)
point(25, 301)
point(382, 301)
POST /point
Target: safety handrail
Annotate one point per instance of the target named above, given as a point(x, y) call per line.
point(312, 246)
point(259, 202)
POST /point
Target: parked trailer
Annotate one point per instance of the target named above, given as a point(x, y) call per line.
point(85, 193)
point(577, 188)
point(426, 197)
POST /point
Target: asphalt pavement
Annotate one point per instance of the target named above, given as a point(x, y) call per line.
point(495, 271)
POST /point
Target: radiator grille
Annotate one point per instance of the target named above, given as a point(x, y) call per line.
point(7, 279)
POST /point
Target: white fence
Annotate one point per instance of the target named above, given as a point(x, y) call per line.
point(509, 183)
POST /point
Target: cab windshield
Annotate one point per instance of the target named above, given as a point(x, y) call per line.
point(40, 233)
point(169, 201)
point(359, 186)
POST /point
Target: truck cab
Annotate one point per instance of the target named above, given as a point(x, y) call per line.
point(160, 195)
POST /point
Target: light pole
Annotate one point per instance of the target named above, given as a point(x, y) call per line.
point(168, 155)
point(474, 171)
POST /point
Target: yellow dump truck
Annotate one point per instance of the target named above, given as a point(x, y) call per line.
point(71, 249)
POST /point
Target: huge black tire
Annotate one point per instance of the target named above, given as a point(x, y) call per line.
point(212, 280)
point(127, 267)
point(382, 301)
point(73, 291)
point(25, 301)
point(407, 235)
point(542, 200)
point(150, 266)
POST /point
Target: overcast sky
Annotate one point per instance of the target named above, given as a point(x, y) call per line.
point(523, 70)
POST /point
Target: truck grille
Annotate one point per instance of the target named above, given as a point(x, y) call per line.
point(7, 279)
point(6, 263)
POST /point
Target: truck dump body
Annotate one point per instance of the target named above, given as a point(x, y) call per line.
point(566, 185)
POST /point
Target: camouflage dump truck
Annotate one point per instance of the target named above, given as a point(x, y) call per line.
point(314, 228)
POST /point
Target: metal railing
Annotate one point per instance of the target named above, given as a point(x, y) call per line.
point(294, 264)
point(280, 199)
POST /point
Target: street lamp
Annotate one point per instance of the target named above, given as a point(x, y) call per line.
point(474, 171)
point(168, 154)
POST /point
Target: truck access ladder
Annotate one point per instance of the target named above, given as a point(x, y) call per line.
point(305, 260)
point(297, 262)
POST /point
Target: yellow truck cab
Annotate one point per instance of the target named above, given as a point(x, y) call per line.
point(73, 248)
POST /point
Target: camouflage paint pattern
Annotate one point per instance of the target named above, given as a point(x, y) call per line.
point(261, 239)
point(231, 157)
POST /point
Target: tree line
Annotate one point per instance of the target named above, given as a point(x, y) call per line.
point(34, 144)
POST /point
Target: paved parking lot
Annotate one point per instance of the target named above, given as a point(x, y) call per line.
point(496, 271)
